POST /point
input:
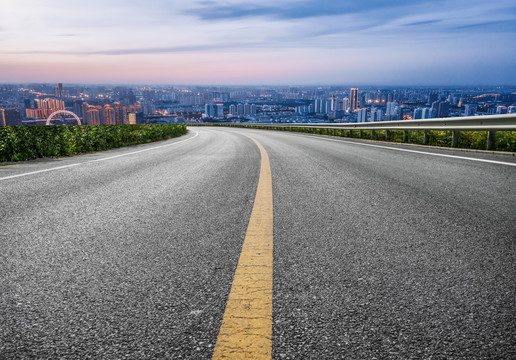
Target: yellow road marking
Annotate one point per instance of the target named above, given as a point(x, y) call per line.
point(246, 331)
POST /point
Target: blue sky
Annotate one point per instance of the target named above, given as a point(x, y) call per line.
point(290, 42)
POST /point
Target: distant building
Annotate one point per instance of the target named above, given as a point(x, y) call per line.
point(59, 90)
point(432, 98)
point(2, 117)
point(28, 104)
point(418, 113)
point(501, 110)
point(12, 117)
point(93, 116)
point(43, 108)
point(108, 115)
point(212, 110)
point(444, 109)
point(132, 118)
point(362, 115)
point(77, 107)
point(345, 104)
point(319, 106)
point(428, 113)
point(353, 99)
point(468, 110)
point(392, 110)
point(376, 115)
point(220, 110)
point(240, 109)
point(148, 108)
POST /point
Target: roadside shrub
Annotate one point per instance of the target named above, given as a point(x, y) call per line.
point(29, 142)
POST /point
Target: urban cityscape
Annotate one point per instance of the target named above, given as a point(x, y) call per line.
point(34, 104)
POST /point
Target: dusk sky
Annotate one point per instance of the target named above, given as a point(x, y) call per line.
point(289, 42)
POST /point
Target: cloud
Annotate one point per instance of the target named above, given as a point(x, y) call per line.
point(150, 50)
point(495, 26)
point(426, 22)
point(210, 10)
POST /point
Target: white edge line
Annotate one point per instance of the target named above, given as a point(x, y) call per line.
point(411, 151)
point(97, 160)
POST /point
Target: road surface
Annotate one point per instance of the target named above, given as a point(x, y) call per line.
point(380, 251)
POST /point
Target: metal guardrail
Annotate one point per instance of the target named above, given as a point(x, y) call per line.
point(489, 123)
point(466, 123)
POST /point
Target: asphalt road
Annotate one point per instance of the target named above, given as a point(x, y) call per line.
point(378, 252)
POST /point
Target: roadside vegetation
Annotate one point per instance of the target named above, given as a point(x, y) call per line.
point(30, 142)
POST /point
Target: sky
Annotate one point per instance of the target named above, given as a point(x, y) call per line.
point(259, 42)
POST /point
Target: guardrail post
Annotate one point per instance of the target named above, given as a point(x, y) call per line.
point(426, 138)
point(491, 140)
point(387, 135)
point(372, 134)
point(405, 136)
point(361, 133)
point(455, 138)
point(334, 132)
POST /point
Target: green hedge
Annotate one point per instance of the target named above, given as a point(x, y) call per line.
point(29, 142)
point(505, 140)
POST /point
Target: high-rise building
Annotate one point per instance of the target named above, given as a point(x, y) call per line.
point(2, 117)
point(148, 108)
point(220, 110)
point(468, 110)
point(362, 115)
point(43, 108)
point(132, 118)
point(317, 105)
point(443, 109)
point(59, 90)
point(77, 107)
point(321, 106)
point(209, 110)
point(213, 110)
point(432, 98)
point(119, 113)
point(93, 116)
point(501, 109)
point(428, 113)
point(353, 99)
point(12, 117)
point(376, 115)
point(418, 113)
point(345, 104)
point(247, 109)
point(233, 109)
point(108, 115)
point(240, 109)
point(392, 111)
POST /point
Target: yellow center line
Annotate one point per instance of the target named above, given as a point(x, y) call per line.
point(246, 331)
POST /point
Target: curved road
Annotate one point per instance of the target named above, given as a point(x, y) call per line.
point(379, 252)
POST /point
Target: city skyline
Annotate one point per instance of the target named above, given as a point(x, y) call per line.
point(420, 43)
